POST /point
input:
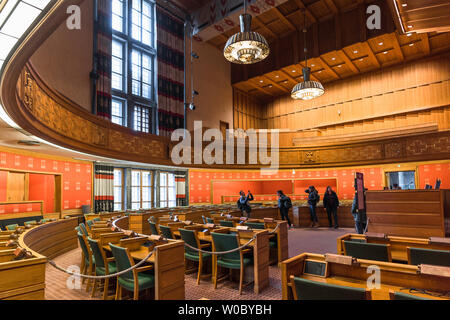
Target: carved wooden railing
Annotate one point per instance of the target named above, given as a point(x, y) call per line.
point(45, 113)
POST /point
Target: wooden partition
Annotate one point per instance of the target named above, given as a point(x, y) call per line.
point(398, 245)
point(52, 239)
point(393, 276)
point(409, 213)
point(301, 216)
point(25, 279)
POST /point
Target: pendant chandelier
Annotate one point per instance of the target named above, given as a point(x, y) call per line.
point(307, 89)
point(246, 47)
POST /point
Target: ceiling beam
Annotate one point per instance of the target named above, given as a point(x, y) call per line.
point(301, 6)
point(349, 63)
point(332, 6)
point(328, 68)
point(260, 24)
point(262, 89)
point(370, 54)
point(425, 43)
point(396, 44)
point(275, 84)
point(284, 19)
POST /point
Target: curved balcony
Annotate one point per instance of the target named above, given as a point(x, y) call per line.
point(33, 106)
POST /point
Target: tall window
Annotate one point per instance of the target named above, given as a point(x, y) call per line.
point(118, 190)
point(141, 189)
point(133, 58)
point(167, 191)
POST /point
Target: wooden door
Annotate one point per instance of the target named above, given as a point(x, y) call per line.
point(17, 189)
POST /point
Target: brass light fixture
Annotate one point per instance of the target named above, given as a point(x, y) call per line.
point(307, 89)
point(246, 47)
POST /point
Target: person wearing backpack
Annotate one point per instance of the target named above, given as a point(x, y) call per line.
point(313, 199)
point(284, 204)
point(243, 202)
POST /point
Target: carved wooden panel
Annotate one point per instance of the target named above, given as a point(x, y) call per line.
point(75, 127)
point(65, 122)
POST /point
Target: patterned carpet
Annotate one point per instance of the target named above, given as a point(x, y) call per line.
point(321, 240)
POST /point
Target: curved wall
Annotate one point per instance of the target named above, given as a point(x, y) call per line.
point(64, 60)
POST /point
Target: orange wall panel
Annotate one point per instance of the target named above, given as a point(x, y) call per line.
point(76, 179)
point(42, 187)
point(428, 173)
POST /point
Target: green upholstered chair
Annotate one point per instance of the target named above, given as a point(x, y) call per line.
point(83, 229)
point(369, 251)
point(255, 225)
point(304, 289)
point(234, 260)
point(204, 220)
point(135, 280)
point(103, 266)
point(89, 224)
point(97, 219)
point(394, 295)
point(191, 238)
point(153, 228)
point(209, 220)
point(225, 223)
point(166, 232)
point(418, 256)
point(12, 227)
point(31, 222)
point(87, 260)
point(45, 220)
point(77, 229)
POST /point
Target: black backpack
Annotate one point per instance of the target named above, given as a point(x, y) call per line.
point(288, 203)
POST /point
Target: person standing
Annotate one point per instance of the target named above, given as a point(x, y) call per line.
point(284, 204)
point(313, 199)
point(243, 202)
point(359, 216)
point(331, 204)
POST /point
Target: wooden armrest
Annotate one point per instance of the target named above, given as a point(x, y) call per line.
point(145, 268)
point(110, 259)
point(246, 250)
point(205, 245)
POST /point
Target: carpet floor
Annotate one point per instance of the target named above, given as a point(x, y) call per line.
point(59, 286)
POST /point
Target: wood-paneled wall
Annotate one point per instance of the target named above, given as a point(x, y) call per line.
point(410, 94)
point(248, 112)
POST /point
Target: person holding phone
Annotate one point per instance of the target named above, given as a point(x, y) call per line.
point(243, 202)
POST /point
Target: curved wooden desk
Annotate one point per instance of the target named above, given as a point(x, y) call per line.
point(25, 279)
point(51, 239)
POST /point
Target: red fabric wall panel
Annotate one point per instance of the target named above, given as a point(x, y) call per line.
point(42, 187)
point(3, 176)
point(428, 174)
point(200, 182)
point(76, 179)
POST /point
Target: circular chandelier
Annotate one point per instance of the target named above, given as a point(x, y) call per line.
point(307, 89)
point(246, 47)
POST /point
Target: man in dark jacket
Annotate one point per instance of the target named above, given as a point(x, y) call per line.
point(359, 216)
point(313, 199)
point(243, 202)
point(284, 204)
point(331, 204)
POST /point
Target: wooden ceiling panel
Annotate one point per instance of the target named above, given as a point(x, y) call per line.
point(279, 27)
point(355, 51)
point(440, 40)
point(320, 9)
point(421, 16)
point(332, 59)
